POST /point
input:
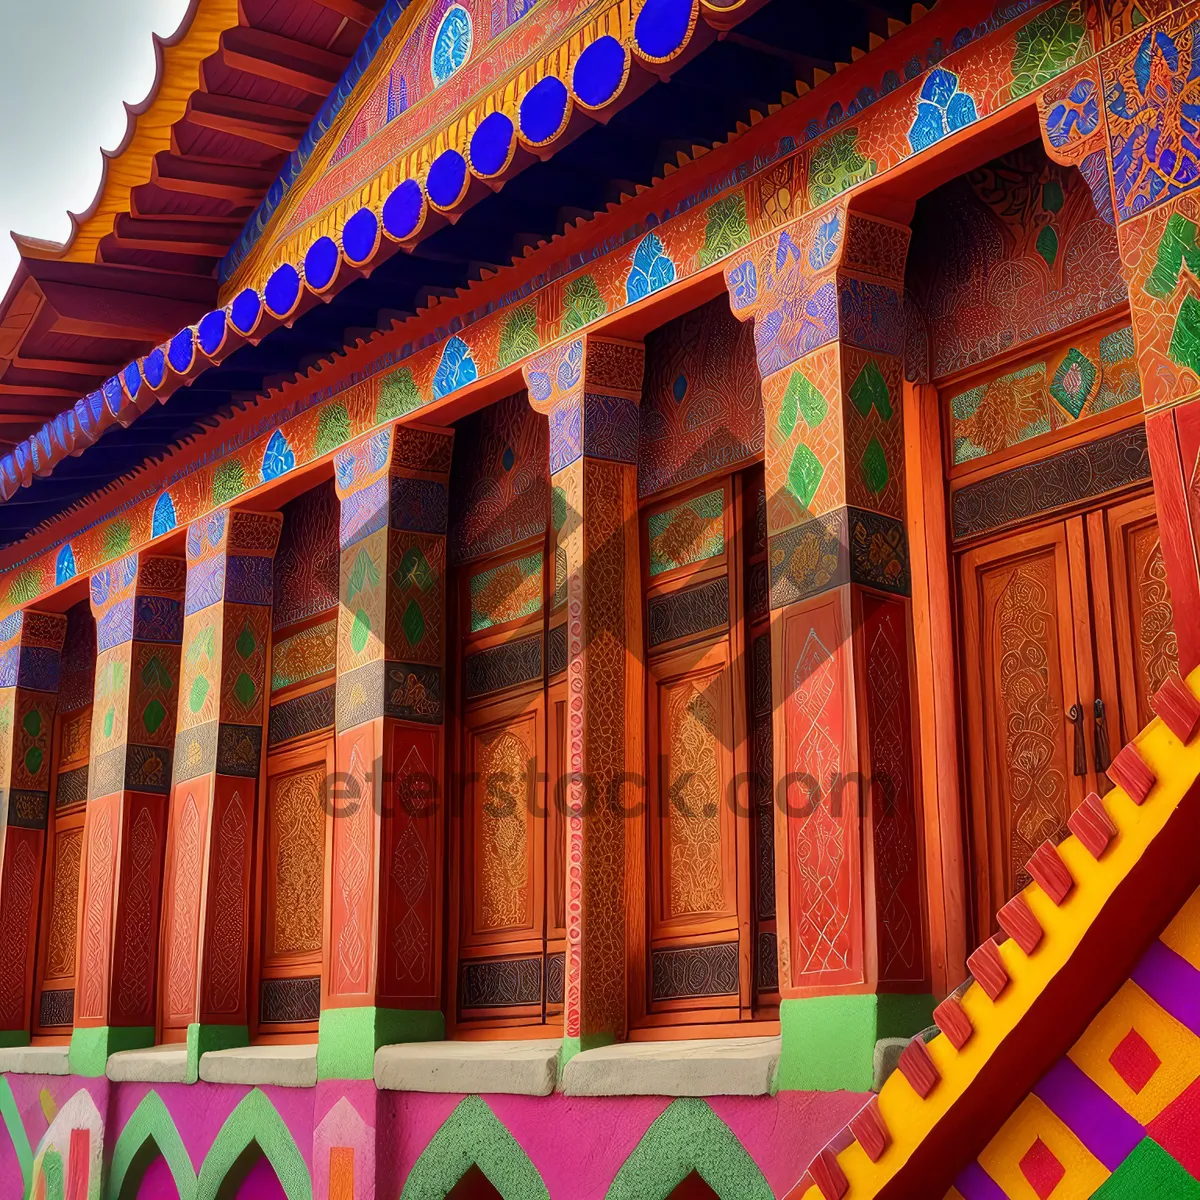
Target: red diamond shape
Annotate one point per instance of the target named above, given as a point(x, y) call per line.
point(1041, 1169)
point(1135, 1061)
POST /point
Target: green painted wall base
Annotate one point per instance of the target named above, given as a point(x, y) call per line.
point(348, 1037)
point(14, 1037)
point(572, 1046)
point(829, 1041)
point(203, 1038)
point(90, 1048)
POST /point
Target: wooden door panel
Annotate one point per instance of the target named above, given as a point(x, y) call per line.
point(693, 835)
point(504, 825)
point(1147, 652)
point(1020, 681)
point(295, 866)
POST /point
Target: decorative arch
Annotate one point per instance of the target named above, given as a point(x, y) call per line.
point(472, 1135)
point(687, 1137)
point(151, 1120)
point(16, 1133)
point(255, 1120)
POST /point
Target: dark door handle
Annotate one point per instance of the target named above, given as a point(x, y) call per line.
point(1101, 735)
point(1075, 716)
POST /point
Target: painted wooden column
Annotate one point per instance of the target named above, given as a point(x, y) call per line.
point(218, 757)
point(382, 979)
point(30, 649)
point(590, 390)
point(1123, 118)
point(138, 606)
point(825, 296)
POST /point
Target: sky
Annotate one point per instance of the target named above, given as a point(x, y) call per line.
point(65, 68)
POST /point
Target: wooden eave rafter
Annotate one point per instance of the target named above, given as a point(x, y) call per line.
point(282, 60)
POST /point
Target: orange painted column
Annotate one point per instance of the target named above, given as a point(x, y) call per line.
point(382, 977)
point(590, 390)
point(218, 760)
point(1120, 119)
point(825, 295)
point(30, 650)
point(138, 606)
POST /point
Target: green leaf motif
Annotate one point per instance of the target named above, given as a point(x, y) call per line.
point(582, 304)
point(33, 760)
point(874, 467)
point(109, 719)
point(725, 230)
point(836, 166)
point(360, 631)
point(201, 645)
point(363, 573)
point(1052, 196)
point(155, 675)
point(333, 428)
point(801, 399)
point(870, 390)
point(1046, 46)
point(197, 693)
point(1176, 247)
point(398, 395)
point(558, 508)
point(32, 724)
point(244, 689)
point(117, 537)
point(24, 587)
point(519, 337)
point(413, 623)
point(153, 715)
point(229, 480)
point(1185, 339)
point(1047, 244)
point(804, 475)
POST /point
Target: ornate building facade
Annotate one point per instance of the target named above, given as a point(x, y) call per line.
point(600, 599)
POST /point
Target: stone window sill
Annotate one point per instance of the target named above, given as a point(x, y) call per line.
point(34, 1060)
point(152, 1064)
point(277, 1066)
point(516, 1068)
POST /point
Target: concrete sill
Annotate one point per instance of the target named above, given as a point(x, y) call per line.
point(712, 1067)
point(517, 1068)
point(153, 1064)
point(280, 1066)
point(34, 1060)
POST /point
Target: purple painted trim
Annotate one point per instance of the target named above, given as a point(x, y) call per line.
point(1171, 982)
point(974, 1183)
point(1090, 1113)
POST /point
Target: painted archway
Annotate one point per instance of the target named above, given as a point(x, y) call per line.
point(255, 1121)
point(687, 1137)
point(151, 1121)
point(472, 1135)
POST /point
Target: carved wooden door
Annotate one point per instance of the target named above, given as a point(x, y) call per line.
point(1142, 623)
point(294, 839)
point(1027, 761)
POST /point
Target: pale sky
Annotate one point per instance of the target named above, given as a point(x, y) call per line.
point(65, 68)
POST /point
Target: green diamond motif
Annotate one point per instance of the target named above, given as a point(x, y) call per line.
point(804, 475)
point(558, 508)
point(33, 760)
point(244, 689)
point(870, 390)
point(802, 399)
point(414, 570)
point(413, 623)
point(874, 467)
point(33, 722)
point(245, 644)
point(1072, 382)
point(152, 716)
point(360, 631)
point(196, 694)
point(1185, 339)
